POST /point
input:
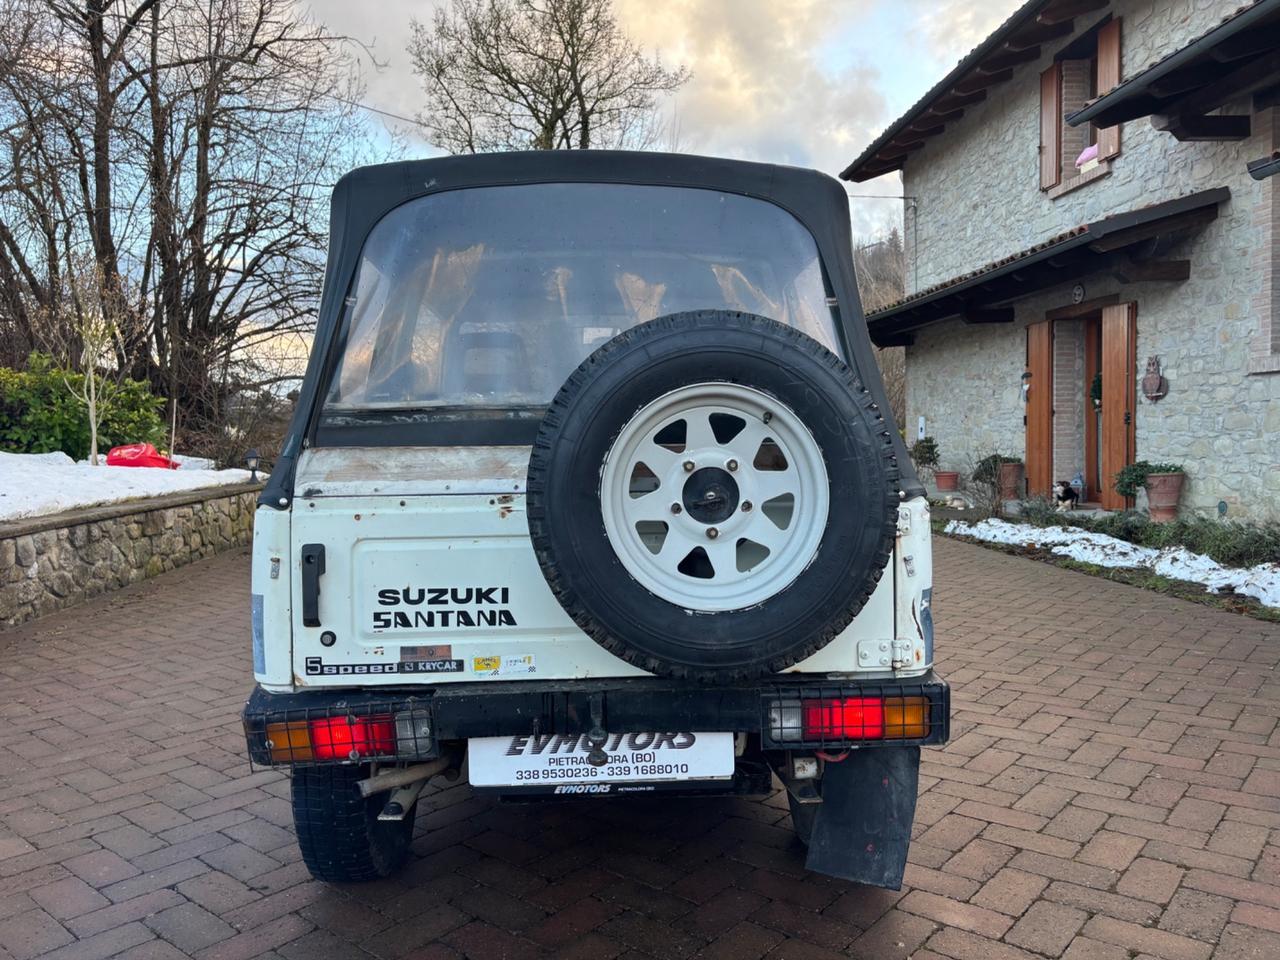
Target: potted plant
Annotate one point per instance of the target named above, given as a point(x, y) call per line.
point(947, 481)
point(1003, 473)
point(1163, 483)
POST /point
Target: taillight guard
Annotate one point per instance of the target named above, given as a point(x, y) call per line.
point(321, 735)
point(856, 714)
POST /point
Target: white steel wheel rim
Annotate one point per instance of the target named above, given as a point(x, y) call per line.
point(750, 552)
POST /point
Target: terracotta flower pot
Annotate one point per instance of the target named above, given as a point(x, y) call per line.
point(1163, 491)
point(947, 481)
point(1011, 475)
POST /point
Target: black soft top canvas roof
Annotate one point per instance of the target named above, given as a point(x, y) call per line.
point(366, 194)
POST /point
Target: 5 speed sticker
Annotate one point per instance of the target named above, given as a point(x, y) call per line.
point(505, 666)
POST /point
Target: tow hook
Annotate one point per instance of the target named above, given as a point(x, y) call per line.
point(597, 736)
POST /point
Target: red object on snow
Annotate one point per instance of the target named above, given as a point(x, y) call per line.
point(139, 455)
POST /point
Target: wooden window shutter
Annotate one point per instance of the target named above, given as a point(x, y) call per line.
point(1108, 79)
point(1051, 127)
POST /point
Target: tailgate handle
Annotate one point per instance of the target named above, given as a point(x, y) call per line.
point(312, 570)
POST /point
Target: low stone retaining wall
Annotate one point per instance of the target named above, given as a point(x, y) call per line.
point(53, 561)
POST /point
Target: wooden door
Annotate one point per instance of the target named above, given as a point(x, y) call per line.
point(1039, 417)
point(1119, 396)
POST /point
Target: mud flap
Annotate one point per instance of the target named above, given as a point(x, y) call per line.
point(863, 825)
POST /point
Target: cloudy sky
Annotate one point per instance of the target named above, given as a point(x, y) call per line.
point(807, 82)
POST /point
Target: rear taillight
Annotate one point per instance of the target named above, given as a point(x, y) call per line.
point(843, 720)
point(348, 738)
point(332, 738)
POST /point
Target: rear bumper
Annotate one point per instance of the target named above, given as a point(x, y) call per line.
point(424, 720)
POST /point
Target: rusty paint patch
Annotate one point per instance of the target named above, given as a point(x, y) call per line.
point(507, 498)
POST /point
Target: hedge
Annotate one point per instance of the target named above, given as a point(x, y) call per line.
point(40, 414)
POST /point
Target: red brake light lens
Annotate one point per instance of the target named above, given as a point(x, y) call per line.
point(844, 718)
point(346, 738)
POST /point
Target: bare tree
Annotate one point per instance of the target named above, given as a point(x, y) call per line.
point(536, 74)
point(86, 341)
point(881, 271)
point(189, 145)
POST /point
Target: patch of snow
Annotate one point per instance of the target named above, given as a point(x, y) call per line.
point(1261, 582)
point(57, 457)
point(195, 463)
point(35, 484)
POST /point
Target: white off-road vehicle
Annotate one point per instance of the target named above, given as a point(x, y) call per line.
point(592, 490)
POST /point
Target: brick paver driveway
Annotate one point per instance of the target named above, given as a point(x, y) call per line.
point(1112, 792)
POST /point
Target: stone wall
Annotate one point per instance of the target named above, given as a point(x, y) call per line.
point(1217, 334)
point(51, 562)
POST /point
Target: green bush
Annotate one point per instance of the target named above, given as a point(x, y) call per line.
point(924, 453)
point(39, 414)
point(1134, 477)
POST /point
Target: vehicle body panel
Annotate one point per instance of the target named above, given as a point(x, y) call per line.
point(431, 579)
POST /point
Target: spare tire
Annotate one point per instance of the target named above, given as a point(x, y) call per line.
point(712, 495)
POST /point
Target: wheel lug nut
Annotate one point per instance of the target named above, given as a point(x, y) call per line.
point(676, 508)
point(712, 533)
point(732, 465)
point(746, 506)
point(688, 466)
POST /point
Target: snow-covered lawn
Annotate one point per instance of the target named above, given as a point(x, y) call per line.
point(34, 484)
point(1261, 582)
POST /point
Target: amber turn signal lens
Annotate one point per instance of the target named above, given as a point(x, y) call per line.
point(289, 742)
point(906, 718)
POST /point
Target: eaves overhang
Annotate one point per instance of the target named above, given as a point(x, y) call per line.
point(1237, 56)
point(1015, 42)
point(1130, 244)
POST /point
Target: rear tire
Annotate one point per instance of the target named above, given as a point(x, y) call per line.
point(341, 838)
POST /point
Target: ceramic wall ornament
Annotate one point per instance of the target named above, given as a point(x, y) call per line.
point(1154, 385)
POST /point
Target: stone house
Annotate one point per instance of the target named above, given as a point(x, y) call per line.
point(1089, 207)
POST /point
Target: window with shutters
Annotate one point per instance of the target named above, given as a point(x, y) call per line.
point(1086, 68)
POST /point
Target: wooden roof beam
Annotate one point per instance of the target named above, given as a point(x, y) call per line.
point(953, 100)
point(1255, 75)
point(934, 115)
point(1009, 58)
point(1190, 77)
point(919, 130)
point(1213, 127)
point(1145, 231)
point(893, 151)
point(1037, 34)
point(1247, 43)
point(1068, 10)
point(980, 81)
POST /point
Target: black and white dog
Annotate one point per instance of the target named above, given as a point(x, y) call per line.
point(1065, 496)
